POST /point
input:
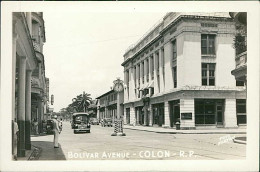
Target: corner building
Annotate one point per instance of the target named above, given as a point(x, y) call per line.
point(30, 86)
point(180, 71)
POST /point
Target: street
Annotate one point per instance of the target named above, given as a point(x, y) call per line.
point(138, 145)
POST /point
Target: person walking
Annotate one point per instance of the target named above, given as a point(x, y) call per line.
point(56, 131)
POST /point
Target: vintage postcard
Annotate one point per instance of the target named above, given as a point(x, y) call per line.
point(100, 86)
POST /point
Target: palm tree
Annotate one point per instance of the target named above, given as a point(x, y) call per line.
point(81, 102)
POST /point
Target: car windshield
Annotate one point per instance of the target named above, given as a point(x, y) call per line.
point(81, 119)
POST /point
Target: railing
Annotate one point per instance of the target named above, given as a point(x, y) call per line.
point(241, 59)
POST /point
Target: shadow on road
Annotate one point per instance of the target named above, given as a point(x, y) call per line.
point(48, 152)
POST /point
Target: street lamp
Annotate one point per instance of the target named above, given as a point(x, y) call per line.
point(118, 87)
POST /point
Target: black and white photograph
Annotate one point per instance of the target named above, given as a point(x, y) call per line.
point(123, 87)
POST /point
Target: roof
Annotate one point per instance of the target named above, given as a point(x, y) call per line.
point(80, 113)
point(111, 91)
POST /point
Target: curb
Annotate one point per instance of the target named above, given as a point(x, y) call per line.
point(171, 132)
point(35, 154)
point(239, 141)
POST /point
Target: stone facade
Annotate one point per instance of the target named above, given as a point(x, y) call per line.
point(30, 91)
point(180, 71)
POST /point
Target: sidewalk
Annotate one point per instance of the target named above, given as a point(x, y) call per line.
point(30, 154)
point(198, 131)
point(47, 151)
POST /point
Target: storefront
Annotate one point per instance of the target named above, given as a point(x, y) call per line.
point(158, 114)
point(127, 115)
point(139, 115)
point(209, 112)
point(241, 111)
point(174, 112)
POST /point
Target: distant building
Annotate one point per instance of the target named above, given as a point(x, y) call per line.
point(180, 71)
point(30, 86)
point(107, 105)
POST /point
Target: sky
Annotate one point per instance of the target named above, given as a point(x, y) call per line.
point(84, 50)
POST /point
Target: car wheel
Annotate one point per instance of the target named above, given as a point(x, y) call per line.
point(75, 132)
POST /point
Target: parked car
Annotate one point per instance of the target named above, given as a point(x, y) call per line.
point(94, 121)
point(107, 122)
point(49, 126)
point(80, 122)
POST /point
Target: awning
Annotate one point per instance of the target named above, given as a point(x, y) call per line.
point(151, 85)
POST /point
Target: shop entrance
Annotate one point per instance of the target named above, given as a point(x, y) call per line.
point(127, 115)
point(219, 114)
point(174, 112)
point(209, 112)
point(158, 114)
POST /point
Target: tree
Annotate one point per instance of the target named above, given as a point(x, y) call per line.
point(81, 102)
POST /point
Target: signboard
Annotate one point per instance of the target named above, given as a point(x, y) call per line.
point(186, 115)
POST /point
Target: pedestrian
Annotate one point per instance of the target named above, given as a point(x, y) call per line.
point(35, 123)
point(56, 131)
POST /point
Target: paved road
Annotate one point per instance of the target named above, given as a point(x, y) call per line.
point(99, 144)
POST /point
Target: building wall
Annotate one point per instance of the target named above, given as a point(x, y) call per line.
point(187, 33)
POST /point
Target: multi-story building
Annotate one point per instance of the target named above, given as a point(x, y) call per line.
point(240, 71)
point(107, 105)
point(30, 86)
point(180, 71)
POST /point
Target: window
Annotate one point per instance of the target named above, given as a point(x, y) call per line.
point(208, 44)
point(163, 66)
point(143, 71)
point(135, 75)
point(174, 50)
point(147, 70)
point(240, 83)
point(146, 91)
point(175, 76)
point(152, 67)
point(208, 74)
point(241, 111)
point(152, 91)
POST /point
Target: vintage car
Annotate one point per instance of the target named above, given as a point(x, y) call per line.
point(94, 121)
point(80, 122)
point(107, 122)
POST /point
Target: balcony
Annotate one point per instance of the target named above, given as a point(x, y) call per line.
point(36, 46)
point(36, 85)
point(241, 59)
point(241, 67)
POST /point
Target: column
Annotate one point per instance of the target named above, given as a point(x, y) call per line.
point(21, 106)
point(141, 73)
point(166, 115)
point(28, 111)
point(132, 115)
point(151, 115)
point(161, 64)
point(156, 82)
point(124, 115)
point(145, 70)
point(187, 106)
point(131, 83)
point(29, 21)
point(150, 68)
point(39, 114)
point(106, 112)
point(230, 116)
point(15, 37)
point(168, 55)
point(137, 116)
